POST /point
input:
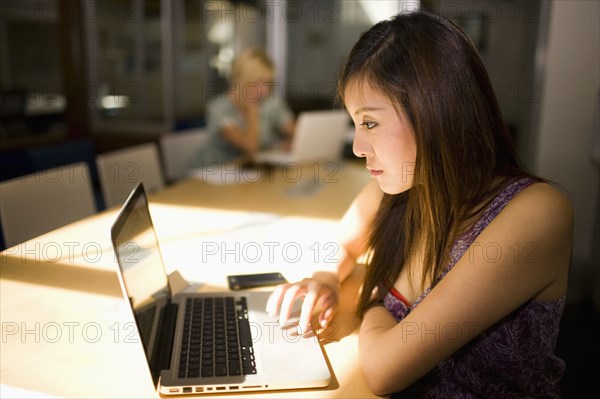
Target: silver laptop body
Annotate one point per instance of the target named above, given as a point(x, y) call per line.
point(318, 136)
point(249, 351)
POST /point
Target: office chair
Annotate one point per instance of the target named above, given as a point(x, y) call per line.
point(120, 170)
point(39, 202)
point(178, 150)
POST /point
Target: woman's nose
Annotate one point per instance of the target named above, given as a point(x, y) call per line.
point(360, 146)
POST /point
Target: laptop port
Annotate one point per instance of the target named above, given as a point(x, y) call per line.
point(187, 390)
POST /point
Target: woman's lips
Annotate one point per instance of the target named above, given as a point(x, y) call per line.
point(375, 172)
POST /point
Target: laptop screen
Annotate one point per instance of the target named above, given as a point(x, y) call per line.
point(140, 261)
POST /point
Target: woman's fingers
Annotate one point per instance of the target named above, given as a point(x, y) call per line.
point(328, 306)
point(290, 296)
point(314, 293)
point(308, 306)
point(274, 301)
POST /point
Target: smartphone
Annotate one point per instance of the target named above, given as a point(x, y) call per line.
point(245, 281)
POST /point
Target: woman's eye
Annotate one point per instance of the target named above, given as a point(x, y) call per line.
point(369, 125)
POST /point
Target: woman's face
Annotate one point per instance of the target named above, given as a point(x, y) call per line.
point(255, 82)
point(257, 90)
point(383, 137)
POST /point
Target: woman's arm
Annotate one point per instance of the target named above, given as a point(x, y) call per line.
point(322, 288)
point(490, 281)
point(287, 129)
point(246, 139)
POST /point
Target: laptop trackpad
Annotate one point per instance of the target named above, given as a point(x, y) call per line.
point(282, 352)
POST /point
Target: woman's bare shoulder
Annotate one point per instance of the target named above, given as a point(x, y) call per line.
point(545, 202)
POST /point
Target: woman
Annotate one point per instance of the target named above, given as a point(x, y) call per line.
point(247, 117)
point(468, 254)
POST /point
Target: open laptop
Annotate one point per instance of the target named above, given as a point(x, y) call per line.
point(198, 343)
point(318, 136)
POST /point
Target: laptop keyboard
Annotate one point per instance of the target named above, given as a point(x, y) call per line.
point(216, 338)
point(145, 321)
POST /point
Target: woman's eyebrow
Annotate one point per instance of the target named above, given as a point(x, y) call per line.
point(366, 109)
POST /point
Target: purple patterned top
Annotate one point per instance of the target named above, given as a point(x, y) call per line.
point(513, 358)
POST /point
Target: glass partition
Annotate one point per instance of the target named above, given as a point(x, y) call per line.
point(129, 64)
point(154, 63)
point(319, 36)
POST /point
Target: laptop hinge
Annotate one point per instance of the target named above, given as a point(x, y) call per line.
point(164, 342)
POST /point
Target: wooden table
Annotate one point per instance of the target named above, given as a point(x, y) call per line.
point(67, 330)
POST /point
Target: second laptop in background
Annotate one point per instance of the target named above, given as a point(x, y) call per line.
point(319, 136)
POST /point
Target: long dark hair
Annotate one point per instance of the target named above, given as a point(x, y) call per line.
point(432, 72)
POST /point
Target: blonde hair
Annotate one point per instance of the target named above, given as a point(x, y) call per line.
point(252, 65)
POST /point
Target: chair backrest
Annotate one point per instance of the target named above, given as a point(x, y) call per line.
point(178, 150)
point(120, 170)
point(43, 201)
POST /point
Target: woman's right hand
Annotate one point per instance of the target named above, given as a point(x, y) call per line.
point(321, 291)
